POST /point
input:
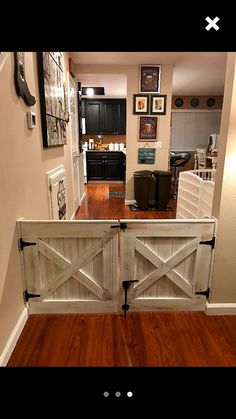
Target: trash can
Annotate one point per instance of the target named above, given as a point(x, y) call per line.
point(163, 188)
point(144, 192)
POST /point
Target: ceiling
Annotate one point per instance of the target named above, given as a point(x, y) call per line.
point(195, 73)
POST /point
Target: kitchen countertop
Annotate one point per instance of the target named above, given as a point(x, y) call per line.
point(105, 151)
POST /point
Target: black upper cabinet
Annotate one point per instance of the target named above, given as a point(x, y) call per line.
point(93, 117)
point(106, 116)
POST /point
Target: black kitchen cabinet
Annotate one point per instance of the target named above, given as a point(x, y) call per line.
point(105, 165)
point(93, 117)
point(105, 116)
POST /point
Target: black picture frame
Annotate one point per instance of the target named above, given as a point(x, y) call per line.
point(147, 128)
point(141, 104)
point(158, 104)
point(150, 78)
point(53, 98)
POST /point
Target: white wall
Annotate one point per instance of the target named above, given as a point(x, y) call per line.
point(23, 166)
point(223, 287)
point(191, 129)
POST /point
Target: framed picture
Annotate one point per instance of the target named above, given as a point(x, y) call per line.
point(148, 128)
point(53, 98)
point(141, 104)
point(158, 104)
point(150, 78)
point(146, 155)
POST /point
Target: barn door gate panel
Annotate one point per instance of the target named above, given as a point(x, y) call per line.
point(69, 266)
point(170, 259)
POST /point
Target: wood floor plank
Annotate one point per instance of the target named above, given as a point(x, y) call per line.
point(140, 339)
point(70, 340)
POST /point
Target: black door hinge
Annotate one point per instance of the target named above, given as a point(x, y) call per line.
point(23, 244)
point(27, 295)
point(206, 293)
point(122, 226)
point(126, 285)
point(210, 242)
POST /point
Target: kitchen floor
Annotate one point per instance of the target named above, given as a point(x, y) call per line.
point(140, 339)
point(97, 205)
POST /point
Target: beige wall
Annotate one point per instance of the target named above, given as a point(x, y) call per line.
point(23, 167)
point(132, 144)
point(223, 287)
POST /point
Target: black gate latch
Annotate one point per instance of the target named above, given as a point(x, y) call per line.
point(126, 285)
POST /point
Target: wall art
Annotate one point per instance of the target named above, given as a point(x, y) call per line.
point(148, 128)
point(53, 99)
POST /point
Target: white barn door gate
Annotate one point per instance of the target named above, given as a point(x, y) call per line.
point(170, 259)
point(69, 266)
point(73, 266)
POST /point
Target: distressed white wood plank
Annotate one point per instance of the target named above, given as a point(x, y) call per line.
point(45, 266)
point(71, 270)
point(57, 307)
point(107, 265)
point(58, 245)
point(170, 228)
point(202, 267)
point(71, 286)
point(156, 304)
point(115, 270)
point(93, 286)
point(32, 269)
point(180, 282)
point(67, 229)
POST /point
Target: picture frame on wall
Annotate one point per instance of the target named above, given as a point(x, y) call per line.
point(141, 105)
point(146, 155)
point(147, 128)
point(158, 105)
point(150, 76)
point(53, 98)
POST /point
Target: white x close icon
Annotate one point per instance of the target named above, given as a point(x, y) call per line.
point(212, 23)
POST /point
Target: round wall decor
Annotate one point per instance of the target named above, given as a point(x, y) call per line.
point(210, 102)
point(194, 102)
point(179, 102)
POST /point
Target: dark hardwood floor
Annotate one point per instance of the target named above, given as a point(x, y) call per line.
point(140, 339)
point(98, 206)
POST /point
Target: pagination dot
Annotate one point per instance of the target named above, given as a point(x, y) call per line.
point(106, 394)
point(129, 394)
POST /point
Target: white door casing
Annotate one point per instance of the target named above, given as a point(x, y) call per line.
point(73, 124)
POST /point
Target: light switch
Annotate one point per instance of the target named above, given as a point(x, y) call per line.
point(31, 120)
point(158, 144)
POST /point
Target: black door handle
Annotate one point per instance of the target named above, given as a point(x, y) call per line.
point(126, 285)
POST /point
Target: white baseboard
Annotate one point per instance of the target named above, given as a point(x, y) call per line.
point(220, 308)
point(130, 201)
point(11, 343)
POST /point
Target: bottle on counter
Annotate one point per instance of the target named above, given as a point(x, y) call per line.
point(116, 147)
point(111, 146)
point(91, 144)
point(121, 146)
